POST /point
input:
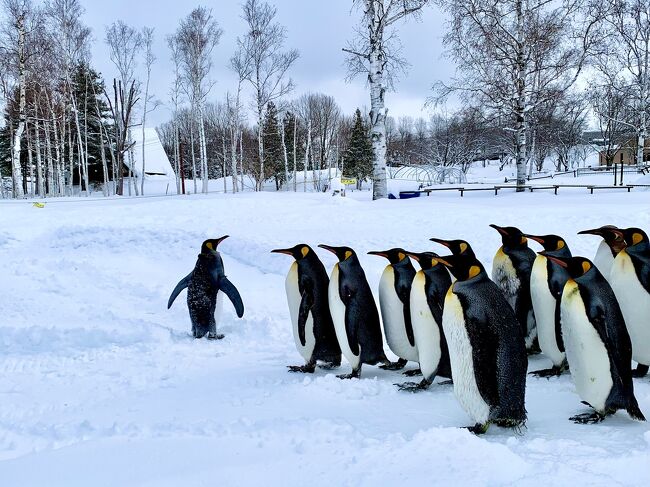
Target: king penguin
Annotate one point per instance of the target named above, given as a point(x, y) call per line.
point(630, 279)
point(394, 294)
point(598, 347)
point(511, 269)
point(354, 313)
point(611, 244)
point(486, 347)
point(427, 298)
point(313, 331)
point(547, 281)
point(203, 297)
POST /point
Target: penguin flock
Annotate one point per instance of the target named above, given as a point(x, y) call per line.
point(589, 318)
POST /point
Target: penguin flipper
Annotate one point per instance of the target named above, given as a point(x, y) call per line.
point(352, 327)
point(558, 326)
point(303, 313)
point(229, 289)
point(182, 284)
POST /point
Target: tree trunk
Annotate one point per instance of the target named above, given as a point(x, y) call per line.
point(520, 114)
point(39, 160)
point(193, 157)
point(203, 153)
point(30, 163)
point(241, 157)
point(16, 169)
point(308, 148)
point(223, 165)
point(295, 155)
point(377, 108)
point(50, 162)
point(286, 158)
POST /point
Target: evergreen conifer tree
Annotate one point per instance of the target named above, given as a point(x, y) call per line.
point(273, 154)
point(357, 159)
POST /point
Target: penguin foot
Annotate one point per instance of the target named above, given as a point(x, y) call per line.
point(446, 383)
point(305, 369)
point(587, 418)
point(215, 336)
point(414, 386)
point(640, 371)
point(399, 365)
point(330, 365)
point(353, 375)
point(552, 372)
point(478, 428)
point(412, 372)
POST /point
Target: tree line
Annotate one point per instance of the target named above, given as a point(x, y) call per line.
point(531, 76)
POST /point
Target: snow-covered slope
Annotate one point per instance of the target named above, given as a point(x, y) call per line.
point(101, 385)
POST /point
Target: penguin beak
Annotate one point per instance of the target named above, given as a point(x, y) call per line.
point(441, 260)
point(327, 247)
point(282, 251)
point(221, 239)
point(441, 242)
point(499, 229)
point(379, 253)
point(560, 262)
point(593, 231)
point(414, 256)
point(537, 239)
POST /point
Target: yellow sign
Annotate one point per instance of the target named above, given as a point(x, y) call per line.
point(39, 205)
point(348, 181)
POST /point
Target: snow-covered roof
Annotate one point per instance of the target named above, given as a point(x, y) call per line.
point(156, 161)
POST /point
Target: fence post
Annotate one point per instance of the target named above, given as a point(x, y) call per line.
point(615, 174)
point(622, 166)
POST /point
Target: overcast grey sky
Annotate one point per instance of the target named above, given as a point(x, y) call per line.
point(317, 28)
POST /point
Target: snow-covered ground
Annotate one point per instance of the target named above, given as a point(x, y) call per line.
point(101, 385)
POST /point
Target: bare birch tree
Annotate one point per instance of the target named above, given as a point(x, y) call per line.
point(198, 35)
point(263, 47)
point(375, 54)
point(513, 55)
point(124, 43)
point(628, 25)
point(149, 102)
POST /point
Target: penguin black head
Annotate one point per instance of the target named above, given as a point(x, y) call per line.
point(511, 236)
point(614, 239)
point(456, 247)
point(575, 266)
point(298, 252)
point(463, 266)
point(210, 245)
point(551, 243)
point(394, 256)
point(342, 253)
point(633, 236)
point(427, 260)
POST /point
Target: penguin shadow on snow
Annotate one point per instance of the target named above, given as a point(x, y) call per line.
point(206, 286)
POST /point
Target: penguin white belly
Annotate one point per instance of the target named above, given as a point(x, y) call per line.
point(635, 305)
point(425, 329)
point(337, 309)
point(293, 299)
point(505, 276)
point(392, 313)
point(462, 362)
point(586, 353)
point(544, 307)
point(604, 259)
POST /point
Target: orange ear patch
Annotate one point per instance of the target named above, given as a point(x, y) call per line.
point(348, 254)
point(637, 238)
point(304, 251)
point(585, 267)
point(401, 256)
point(209, 245)
point(560, 244)
point(463, 247)
point(473, 271)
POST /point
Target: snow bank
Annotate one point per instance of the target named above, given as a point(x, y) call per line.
point(100, 384)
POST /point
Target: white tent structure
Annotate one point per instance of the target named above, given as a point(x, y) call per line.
point(158, 172)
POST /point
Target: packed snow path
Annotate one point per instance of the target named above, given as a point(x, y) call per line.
point(101, 385)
